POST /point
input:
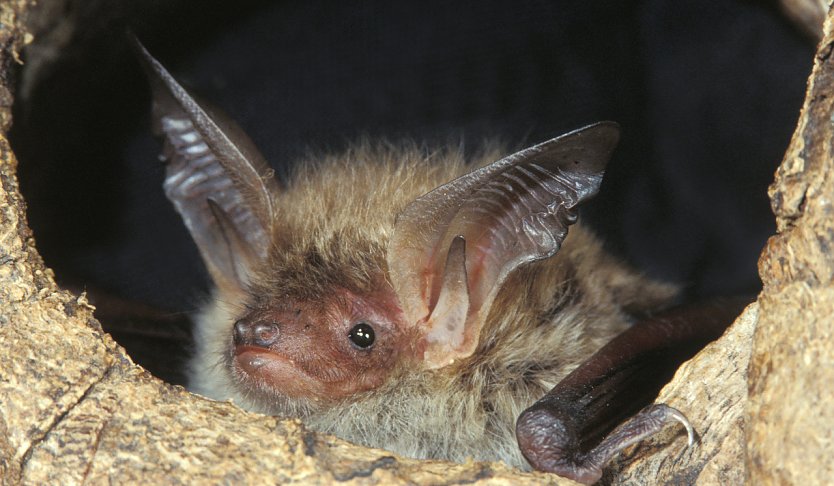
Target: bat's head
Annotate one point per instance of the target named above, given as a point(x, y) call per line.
point(339, 298)
point(326, 348)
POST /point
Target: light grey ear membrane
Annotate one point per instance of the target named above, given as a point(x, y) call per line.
point(511, 212)
point(215, 177)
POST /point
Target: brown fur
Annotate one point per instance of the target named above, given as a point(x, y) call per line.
point(334, 223)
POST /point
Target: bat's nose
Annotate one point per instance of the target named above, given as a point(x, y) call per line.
point(255, 333)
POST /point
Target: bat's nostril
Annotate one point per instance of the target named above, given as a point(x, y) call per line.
point(264, 334)
point(240, 334)
point(251, 333)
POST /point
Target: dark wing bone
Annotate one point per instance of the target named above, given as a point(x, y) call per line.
point(565, 431)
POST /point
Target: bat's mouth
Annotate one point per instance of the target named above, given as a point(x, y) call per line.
point(254, 360)
point(270, 371)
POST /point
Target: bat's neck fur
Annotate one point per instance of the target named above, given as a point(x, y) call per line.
point(547, 318)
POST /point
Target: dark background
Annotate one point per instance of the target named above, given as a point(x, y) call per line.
point(707, 94)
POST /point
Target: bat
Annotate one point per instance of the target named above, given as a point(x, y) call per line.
point(415, 301)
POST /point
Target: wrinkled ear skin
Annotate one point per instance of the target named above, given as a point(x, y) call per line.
point(578, 426)
point(509, 213)
point(207, 156)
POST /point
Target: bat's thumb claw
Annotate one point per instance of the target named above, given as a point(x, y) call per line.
point(675, 414)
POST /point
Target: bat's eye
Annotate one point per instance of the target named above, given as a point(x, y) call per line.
point(362, 335)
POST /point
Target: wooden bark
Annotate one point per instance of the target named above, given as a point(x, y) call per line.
point(74, 408)
point(790, 437)
point(761, 396)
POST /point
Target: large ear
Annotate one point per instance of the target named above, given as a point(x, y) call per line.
point(215, 177)
point(453, 248)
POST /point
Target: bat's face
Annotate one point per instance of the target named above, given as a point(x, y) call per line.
point(324, 349)
point(361, 268)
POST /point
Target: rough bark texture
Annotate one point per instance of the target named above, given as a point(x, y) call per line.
point(12, 39)
point(74, 408)
point(790, 437)
point(761, 396)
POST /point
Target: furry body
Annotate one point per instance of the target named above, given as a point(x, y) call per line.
point(334, 221)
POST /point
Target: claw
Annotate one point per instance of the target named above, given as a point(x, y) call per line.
point(676, 414)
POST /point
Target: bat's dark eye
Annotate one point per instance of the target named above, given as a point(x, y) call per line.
point(362, 335)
